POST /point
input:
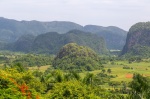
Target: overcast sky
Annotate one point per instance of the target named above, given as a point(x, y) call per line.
point(121, 13)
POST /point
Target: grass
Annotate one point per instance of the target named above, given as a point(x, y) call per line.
point(41, 68)
point(124, 74)
point(137, 67)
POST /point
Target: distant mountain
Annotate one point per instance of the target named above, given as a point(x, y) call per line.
point(48, 43)
point(138, 40)
point(11, 30)
point(114, 36)
point(24, 43)
point(52, 42)
point(87, 39)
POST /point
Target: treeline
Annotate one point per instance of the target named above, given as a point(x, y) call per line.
point(27, 60)
point(34, 60)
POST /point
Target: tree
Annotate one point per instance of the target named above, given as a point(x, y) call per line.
point(88, 79)
point(71, 90)
point(103, 70)
point(19, 67)
point(109, 70)
point(72, 75)
point(140, 86)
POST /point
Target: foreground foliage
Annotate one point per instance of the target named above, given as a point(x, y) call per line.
point(18, 83)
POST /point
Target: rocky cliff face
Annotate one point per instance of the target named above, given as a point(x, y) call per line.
point(138, 40)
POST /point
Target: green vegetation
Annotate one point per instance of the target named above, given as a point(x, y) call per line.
point(23, 44)
point(46, 82)
point(77, 71)
point(50, 43)
point(137, 43)
point(141, 26)
point(12, 30)
point(27, 60)
point(139, 51)
point(33, 60)
point(140, 87)
point(74, 57)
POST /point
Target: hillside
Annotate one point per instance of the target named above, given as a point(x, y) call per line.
point(47, 43)
point(52, 42)
point(114, 36)
point(138, 40)
point(24, 43)
point(11, 30)
point(75, 57)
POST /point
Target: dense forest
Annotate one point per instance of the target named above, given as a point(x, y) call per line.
point(63, 60)
point(75, 72)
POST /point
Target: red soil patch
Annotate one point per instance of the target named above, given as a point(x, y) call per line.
point(129, 75)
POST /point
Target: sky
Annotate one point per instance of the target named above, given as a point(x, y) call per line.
point(120, 13)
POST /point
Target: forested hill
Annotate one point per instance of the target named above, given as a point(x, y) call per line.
point(138, 40)
point(51, 42)
point(75, 57)
point(11, 30)
point(115, 37)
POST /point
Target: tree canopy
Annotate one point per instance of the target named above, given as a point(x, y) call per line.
point(73, 56)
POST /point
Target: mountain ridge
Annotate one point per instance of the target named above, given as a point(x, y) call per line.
point(11, 30)
point(51, 42)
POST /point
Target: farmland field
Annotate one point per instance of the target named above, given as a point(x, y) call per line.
point(125, 74)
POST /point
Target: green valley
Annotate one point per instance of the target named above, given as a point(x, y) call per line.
point(64, 60)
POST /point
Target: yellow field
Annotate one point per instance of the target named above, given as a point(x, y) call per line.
point(1, 64)
point(41, 68)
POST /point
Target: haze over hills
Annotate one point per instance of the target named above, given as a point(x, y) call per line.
point(51, 42)
point(138, 40)
point(11, 30)
point(114, 36)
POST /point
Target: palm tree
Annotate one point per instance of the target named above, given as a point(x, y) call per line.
point(88, 79)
